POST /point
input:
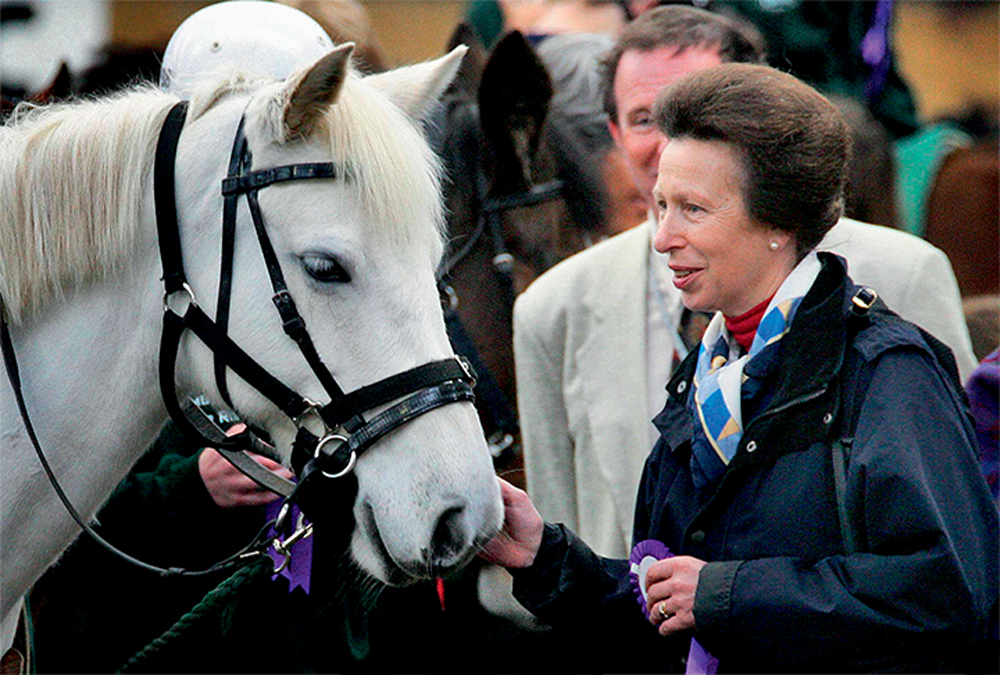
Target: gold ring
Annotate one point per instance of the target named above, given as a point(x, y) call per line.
point(663, 612)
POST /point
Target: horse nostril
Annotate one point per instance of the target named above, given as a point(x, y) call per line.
point(448, 541)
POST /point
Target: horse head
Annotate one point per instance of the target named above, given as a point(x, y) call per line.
point(358, 252)
point(357, 248)
point(525, 146)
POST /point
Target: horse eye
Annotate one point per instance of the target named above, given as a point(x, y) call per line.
point(326, 270)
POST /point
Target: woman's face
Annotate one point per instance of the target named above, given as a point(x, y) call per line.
point(720, 258)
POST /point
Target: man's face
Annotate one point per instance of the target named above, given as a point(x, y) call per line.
point(640, 77)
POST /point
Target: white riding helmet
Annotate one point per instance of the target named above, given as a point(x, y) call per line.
point(261, 37)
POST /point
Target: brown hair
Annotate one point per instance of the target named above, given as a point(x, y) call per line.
point(684, 28)
point(795, 143)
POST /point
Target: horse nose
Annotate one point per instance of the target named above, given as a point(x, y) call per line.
point(450, 540)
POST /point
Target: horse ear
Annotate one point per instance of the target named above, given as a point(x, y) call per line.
point(513, 103)
point(309, 94)
point(471, 72)
point(417, 88)
point(60, 88)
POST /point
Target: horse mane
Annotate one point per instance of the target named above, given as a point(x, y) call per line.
point(55, 236)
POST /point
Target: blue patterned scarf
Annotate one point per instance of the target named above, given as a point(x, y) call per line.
point(715, 400)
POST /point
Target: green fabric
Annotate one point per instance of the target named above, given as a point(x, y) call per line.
point(819, 41)
point(918, 159)
point(92, 610)
point(486, 18)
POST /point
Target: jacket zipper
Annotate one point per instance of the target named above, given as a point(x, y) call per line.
point(805, 398)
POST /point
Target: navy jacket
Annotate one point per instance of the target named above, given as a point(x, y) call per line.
point(780, 591)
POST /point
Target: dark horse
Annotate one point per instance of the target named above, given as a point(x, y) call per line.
point(521, 197)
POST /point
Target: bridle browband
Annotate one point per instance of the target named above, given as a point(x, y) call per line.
point(345, 433)
point(490, 221)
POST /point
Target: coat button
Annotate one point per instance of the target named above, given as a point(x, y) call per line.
point(751, 446)
point(698, 537)
point(682, 387)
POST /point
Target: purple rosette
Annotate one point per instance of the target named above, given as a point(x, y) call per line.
point(644, 554)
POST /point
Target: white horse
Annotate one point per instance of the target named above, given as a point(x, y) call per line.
point(80, 276)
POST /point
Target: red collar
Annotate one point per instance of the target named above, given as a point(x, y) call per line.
point(744, 326)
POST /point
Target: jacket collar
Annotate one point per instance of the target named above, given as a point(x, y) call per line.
point(812, 355)
point(814, 350)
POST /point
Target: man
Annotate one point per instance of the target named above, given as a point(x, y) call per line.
point(595, 338)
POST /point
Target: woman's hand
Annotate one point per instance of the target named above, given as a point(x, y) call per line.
point(517, 544)
point(228, 486)
point(671, 585)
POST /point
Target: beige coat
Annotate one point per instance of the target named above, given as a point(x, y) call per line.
point(580, 351)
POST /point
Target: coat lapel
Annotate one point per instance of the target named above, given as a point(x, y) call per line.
point(613, 355)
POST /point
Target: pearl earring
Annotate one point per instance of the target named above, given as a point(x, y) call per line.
point(773, 246)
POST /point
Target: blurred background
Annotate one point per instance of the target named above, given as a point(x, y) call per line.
point(947, 51)
point(926, 158)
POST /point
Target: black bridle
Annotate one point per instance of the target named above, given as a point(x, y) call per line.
point(506, 428)
point(489, 223)
point(345, 433)
point(489, 226)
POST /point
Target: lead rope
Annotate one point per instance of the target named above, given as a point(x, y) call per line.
point(212, 604)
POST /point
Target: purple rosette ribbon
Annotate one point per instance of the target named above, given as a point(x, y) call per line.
point(875, 48)
point(299, 568)
point(644, 554)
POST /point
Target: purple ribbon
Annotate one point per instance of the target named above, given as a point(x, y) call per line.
point(644, 554)
point(875, 48)
point(299, 568)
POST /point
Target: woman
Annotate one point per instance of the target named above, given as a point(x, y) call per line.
point(741, 485)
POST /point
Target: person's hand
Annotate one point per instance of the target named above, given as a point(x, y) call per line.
point(517, 544)
point(671, 585)
point(228, 486)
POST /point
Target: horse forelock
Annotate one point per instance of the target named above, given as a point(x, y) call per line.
point(380, 151)
point(72, 179)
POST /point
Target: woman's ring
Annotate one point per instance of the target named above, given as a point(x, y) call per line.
point(663, 611)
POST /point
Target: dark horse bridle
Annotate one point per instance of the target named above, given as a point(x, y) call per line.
point(345, 434)
point(489, 227)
